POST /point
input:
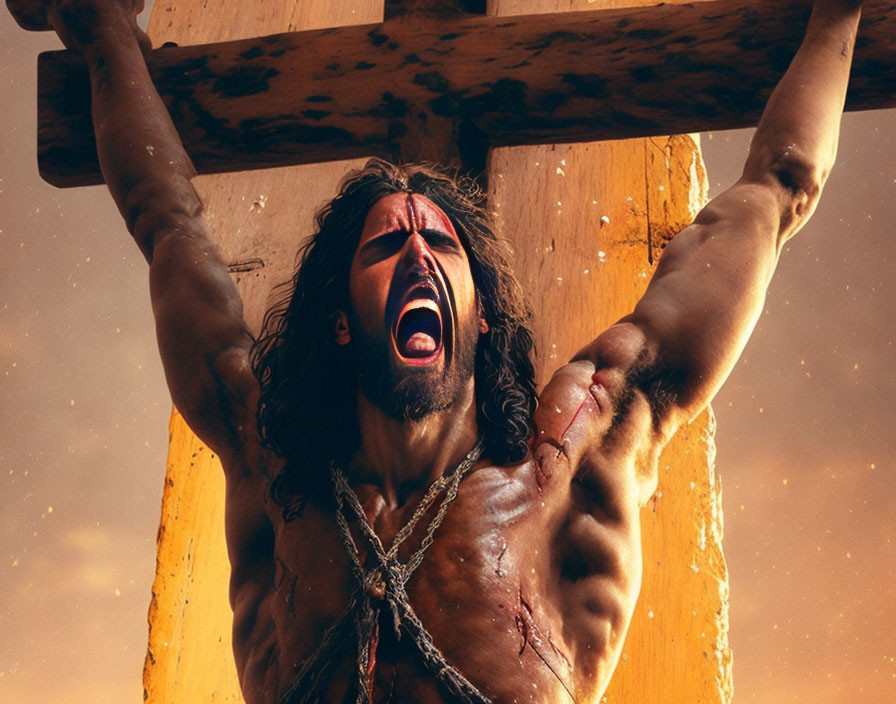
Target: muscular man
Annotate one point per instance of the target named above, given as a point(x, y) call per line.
point(398, 511)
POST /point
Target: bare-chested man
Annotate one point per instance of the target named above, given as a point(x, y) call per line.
point(388, 473)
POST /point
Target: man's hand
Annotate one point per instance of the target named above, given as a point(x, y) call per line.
point(79, 23)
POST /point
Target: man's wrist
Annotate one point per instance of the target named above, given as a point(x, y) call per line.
point(87, 28)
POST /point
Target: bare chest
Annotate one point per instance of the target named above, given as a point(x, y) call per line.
point(482, 599)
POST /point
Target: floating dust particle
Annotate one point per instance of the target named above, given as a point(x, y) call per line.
point(150, 150)
point(604, 220)
point(784, 482)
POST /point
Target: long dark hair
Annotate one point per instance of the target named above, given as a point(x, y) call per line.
point(307, 409)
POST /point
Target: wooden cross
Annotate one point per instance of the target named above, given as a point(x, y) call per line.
point(447, 87)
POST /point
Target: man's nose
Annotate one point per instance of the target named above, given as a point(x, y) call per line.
point(416, 253)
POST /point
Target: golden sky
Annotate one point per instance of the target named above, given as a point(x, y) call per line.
point(807, 448)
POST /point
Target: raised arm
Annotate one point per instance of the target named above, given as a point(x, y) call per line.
point(202, 337)
point(709, 288)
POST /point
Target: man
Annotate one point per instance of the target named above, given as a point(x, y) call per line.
point(440, 486)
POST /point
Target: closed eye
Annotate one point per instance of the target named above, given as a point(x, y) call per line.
point(439, 240)
point(383, 246)
point(390, 243)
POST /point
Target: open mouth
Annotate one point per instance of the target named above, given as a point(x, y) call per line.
point(418, 328)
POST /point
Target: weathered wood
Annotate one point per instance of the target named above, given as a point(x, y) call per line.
point(419, 135)
point(435, 9)
point(348, 92)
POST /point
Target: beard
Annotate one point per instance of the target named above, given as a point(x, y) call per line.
point(406, 392)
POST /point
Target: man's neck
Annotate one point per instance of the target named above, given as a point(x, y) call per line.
point(404, 456)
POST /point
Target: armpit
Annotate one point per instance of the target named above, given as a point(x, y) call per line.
point(658, 382)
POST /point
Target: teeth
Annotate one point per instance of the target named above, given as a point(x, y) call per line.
point(421, 303)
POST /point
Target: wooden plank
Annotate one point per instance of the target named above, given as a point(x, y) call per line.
point(348, 92)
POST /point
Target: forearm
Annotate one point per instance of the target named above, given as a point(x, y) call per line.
point(141, 156)
point(796, 141)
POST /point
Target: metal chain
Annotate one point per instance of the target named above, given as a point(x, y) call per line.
point(389, 576)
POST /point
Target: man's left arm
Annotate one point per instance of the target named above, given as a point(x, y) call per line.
point(709, 288)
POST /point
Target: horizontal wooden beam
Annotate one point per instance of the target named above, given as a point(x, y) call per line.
point(566, 77)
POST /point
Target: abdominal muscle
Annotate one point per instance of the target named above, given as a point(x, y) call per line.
point(490, 591)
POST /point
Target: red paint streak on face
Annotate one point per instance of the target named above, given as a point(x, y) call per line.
point(407, 237)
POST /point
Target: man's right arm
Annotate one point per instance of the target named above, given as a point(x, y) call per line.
point(203, 339)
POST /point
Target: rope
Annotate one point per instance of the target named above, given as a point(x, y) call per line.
point(385, 582)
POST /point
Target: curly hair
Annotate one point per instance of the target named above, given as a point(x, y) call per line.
point(307, 408)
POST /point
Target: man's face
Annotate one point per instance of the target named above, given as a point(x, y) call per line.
point(415, 321)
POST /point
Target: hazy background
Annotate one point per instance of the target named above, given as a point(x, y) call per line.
point(806, 434)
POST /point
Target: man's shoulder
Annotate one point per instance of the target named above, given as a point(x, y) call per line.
point(595, 400)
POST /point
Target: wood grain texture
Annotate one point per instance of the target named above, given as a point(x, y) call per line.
point(349, 92)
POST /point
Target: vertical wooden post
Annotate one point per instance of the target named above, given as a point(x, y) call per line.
point(588, 223)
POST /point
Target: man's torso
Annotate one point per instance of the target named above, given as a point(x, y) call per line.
point(526, 590)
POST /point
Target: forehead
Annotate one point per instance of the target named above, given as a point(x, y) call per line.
point(410, 212)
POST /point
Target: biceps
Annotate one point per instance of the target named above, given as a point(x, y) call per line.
point(706, 296)
point(203, 339)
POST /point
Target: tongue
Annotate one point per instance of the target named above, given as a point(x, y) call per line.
point(419, 345)
point(418, 332)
